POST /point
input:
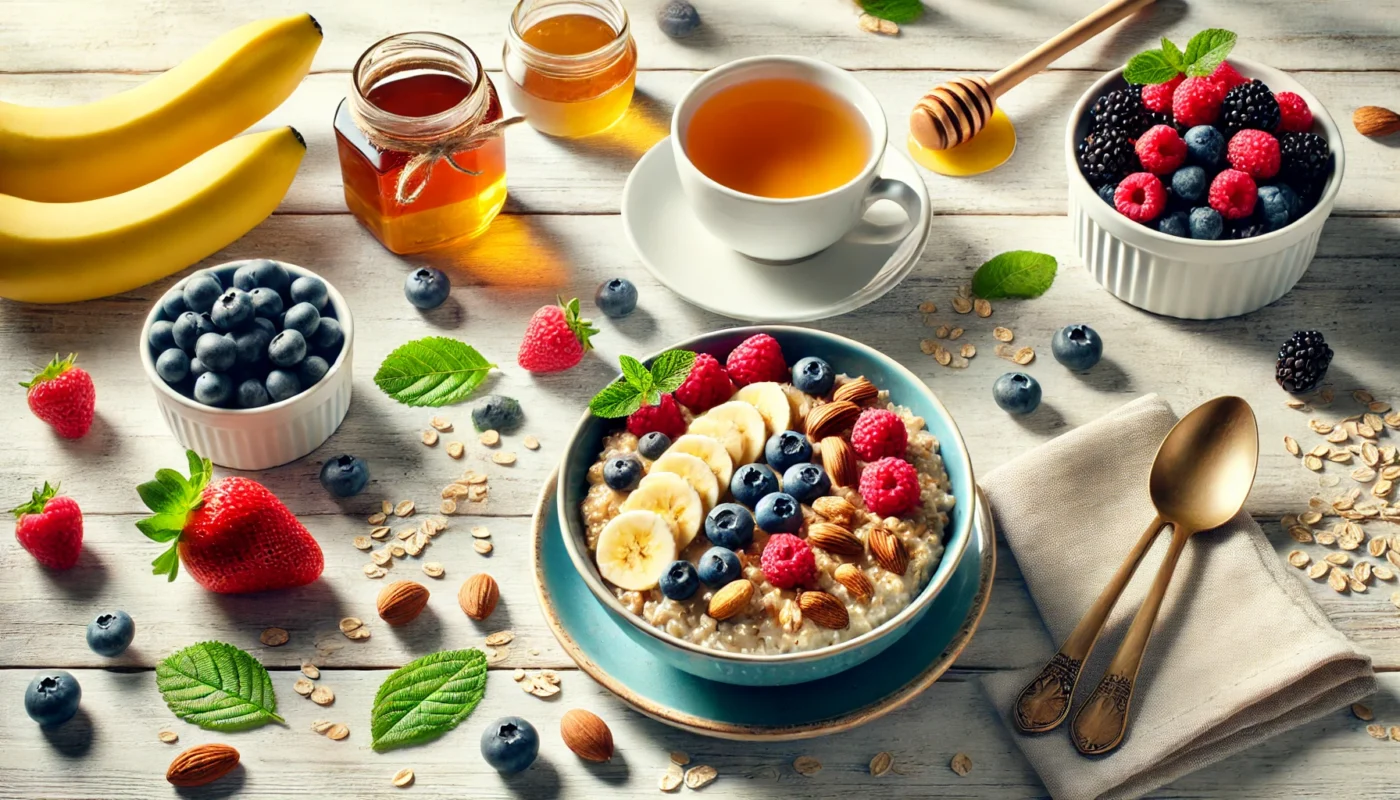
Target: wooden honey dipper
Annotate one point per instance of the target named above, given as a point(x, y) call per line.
point(953, 112)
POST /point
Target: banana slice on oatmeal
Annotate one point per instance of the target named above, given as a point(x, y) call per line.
point(671, 496)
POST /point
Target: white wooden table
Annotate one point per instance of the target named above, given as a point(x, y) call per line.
point(561, 235)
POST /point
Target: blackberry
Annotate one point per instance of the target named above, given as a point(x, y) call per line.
point(1303, 160)
point(1151, 118)
point(1302, 362)
point(1106, 156)
point(1246, 228)
point(1249, 105)
point(1121, 110)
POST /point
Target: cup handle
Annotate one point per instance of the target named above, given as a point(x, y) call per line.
point(866, 232)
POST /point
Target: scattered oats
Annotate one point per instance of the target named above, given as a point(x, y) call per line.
point(406, 533)
point(1356, 585)
point(381, 533)
point(1326, 396)
point(1024, 356)
point(1382, 488)
point(1362, 396)
point(1395, 733)
point(968, 350)
point(490, 438)
point(1337, 580)
point(415, 547)
point(1287, 521)
point(1002, 334)
point(982, 307)
point(1362, 571)
point(927, 346)
point(1391, 473)
point(504, 459)
point(671, 779)
point(1326, 538)
point(965, 290)
point(168, 737)
point(1373, 421)
point(430, 437)
point(432, 569)
point(1395, 599)
point(1376, 731)
point(440, 424)
point(1339, 456)
point(482, 546)
point(310, 670)
point(1320, 451)
point(321, 725)
point(518, 675)
point(943, 357)
point(871, 24)
point(377, 518)
point(386, 508)
point(1366, 431)
point(942, 332)
point(382, 557)
point(303, 687)
point(323, 696)
point(1363, 474)
point(404, 509)
point(962, 305)
point(448, 506)
point(351, 623)
point(1382, 572)
point(480, 532)
point(1392, 420)
point(373, 571)
point(1319, 569)
point(274, 637)
point(956, 333)
point(700, 777)
point(1319, 426)
point(807, 765)
point(1338, 436)
point(456, 449)
point(1340, 559)
point(397, 550)
point(363, 543)
point(403, 778)
point(881, 764)
point(1291, 445)
point(1362, 712)
point(531, 443)
point(1299, 559)
point(961, 764)
point(1312, 462)
point(534, 651)
point(337, 732)
point(679, 757)
point(495, 655)
point(1296, 404)
point(359, 634)
point(927, 307)
point(1310, 517)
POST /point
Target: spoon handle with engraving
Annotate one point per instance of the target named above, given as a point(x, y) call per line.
point(1045, 701)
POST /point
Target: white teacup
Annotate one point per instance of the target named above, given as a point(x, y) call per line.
point(790, 229)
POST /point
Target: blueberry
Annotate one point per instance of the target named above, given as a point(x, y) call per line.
point(719, 566)
point(653, 444)
point(345, 476)
point(197, 368)
point(161, 335)
point(328, 338)
point(785, 449)
point(185, 331)
point(1190, 184)
point(307, 289)
point(173, 303)
point(1176, 223)
point(213, 388)
point(268, 274)
point(312, 370)
point(779, 512)
point(427, 288)
point(252, 394)
point(246, 276)
point(201, 291)
point(806, 482)
point(110, 634)
point(752, 482)
point(267, 326)
point(173, 365)
point(52, 697)
point(1016, 393)
point(622, 473)
point(680, 581)
point(1274, 206)
point(1205, 146)
point(206, 325)
point(1077, 347)
point(496, 412)
point(251, 345)
point(302, 318)
point(282, 385)
point(287, 348)
point(233, 310)
point(678, 19)
point(1296, 206)
point(1107, 191)
point(1206, 223)
point(813, 376)
point(729, 525)
point(510, 745)
point(216, 351)
point(616, 298)
point(267, 304)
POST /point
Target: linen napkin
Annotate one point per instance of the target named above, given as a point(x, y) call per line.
point(1239, 653)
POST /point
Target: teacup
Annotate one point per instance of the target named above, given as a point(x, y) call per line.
point(791, 228)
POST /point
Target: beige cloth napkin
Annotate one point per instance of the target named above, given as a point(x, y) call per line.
point(1240, 651)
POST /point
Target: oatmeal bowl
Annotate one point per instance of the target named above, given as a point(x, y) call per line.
point(787, 512)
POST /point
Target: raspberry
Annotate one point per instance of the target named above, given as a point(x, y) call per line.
point(1158, 97)
point(706, 386)
point(1197, 102)
point(788, 562)
point(757, 358)
point(1140, 197)
point(1227, 76)
point(879, 433)
point(1161, 150)
point(1233, 194)
point(890, 487)
point(1254, 153)
point(664, 417)
point(1294, 114)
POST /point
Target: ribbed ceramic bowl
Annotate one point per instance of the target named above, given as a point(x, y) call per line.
point(259, 438)
point(1191, 278)
point(846, 356)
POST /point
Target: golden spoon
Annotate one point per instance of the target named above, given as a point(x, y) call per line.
point(1200, 478)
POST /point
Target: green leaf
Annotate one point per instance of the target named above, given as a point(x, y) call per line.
point(1149, 67)
point(1207, 50)
point(618, 399)
point(1173, 55)
point(168, 562)
point(427, 697)
point(158, 497)
point(635, 374)
point(38, 499)
point(217, 687)
point(433, 371)
point(899, 11)
point(670, 369)
point(162, 527)
point(1017, 273)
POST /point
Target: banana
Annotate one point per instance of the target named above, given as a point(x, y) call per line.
point(66, 252)
point(771, 402)
point(694, 471)
point(634, 549)
point(669, 495)
point(709, 451)
point(75, 153)
point(737, 425)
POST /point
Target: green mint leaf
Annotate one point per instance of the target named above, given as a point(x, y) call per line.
point(1173, 55)
point(618, 399)
point(167, 563)
point(434, 371)
point(427, 697)
point(635, 374)
point(217, 687)
point(1149, 67)
point(670, 369)
point(898, 11)
point(1017, 273)
point(1207, 50)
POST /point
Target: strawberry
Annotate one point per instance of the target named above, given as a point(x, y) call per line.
point(233, 534)
point(555, 339)
point(63, 396)
point(50, 527)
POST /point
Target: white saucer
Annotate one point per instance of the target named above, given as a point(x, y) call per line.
point(680, 253)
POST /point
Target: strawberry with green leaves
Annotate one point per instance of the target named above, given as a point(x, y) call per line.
point(555, 338)
point(233, 535)
point(63, 396)
point(50, 527)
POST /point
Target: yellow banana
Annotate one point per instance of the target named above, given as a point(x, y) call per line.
point(66, 252)
point(74, 153)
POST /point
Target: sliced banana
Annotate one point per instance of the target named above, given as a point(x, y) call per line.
point(695, 472)
point(724, 431)
point(635, 548)
point(736, 415)
point(671, 496)
point(708, 450)
point(771, 402)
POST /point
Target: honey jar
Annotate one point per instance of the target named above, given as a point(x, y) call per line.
point(570, 65)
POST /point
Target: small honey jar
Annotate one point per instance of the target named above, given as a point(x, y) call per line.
point(570, 65)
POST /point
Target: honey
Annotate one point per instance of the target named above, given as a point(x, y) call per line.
point(986, 151)
point(570, 67)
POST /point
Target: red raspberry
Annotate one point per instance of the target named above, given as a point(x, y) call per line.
point(1158, 97)
point(1233, 194)
point(890, 487)
point(1197, 102)
point(664, 416)
point(1161, 150)
point(706, 386)
point(879, 433)
point(1254, 153)
point(1227, 76)
point(757, 358)
point(1294, 114)
point(788, 562)
point(1140, 197)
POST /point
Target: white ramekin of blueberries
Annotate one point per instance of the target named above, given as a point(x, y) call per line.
point(250, 362)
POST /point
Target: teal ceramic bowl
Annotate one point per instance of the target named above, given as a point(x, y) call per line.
point(845, 356)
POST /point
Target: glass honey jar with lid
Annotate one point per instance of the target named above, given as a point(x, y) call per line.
point(419, 138)
point(570, 65)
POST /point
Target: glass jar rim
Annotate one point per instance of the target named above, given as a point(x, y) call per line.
point(577, 65)
point(455, 53)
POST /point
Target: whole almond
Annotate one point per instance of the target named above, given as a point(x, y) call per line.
point(834, 539)
point(839, 461)
point(479, 595)
point(831, 418)
point(732, 599)
point(201, 764)
point(402, 601)
point(850, 576)
point(888, 549)
point(587, 735)
point(859, 391)
point(836, 510)
point(824, 609)
point(1375, 121)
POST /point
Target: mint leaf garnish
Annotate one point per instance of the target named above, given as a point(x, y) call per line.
point(1149, 67)
point(1207, 50)
point(427, 697)
point(434, 371)
point(217, 687)
point(1173, 55)
point(670, 369)
point(617, 400)
point(635, 374)
point(640, 386)
point(898, 11)
point(172, 497)
point(1017, 273)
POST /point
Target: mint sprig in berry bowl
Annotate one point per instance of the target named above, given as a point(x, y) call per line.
point(1200, 188)
point(739, 540)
